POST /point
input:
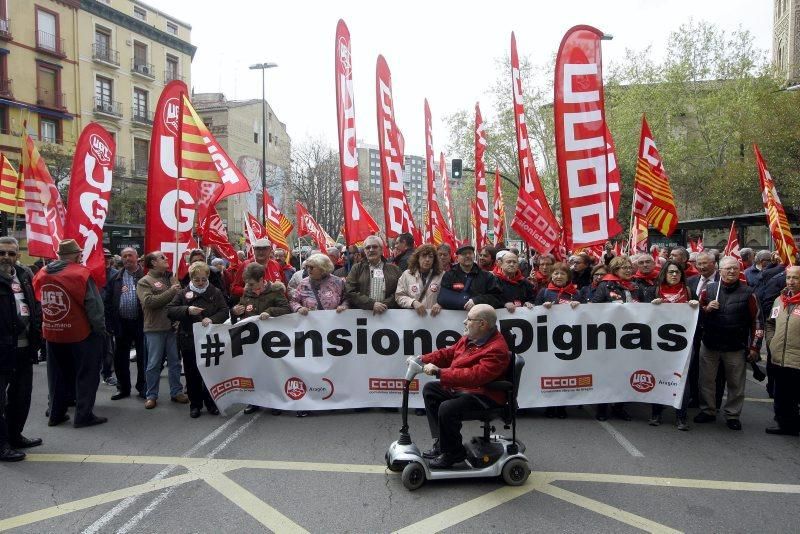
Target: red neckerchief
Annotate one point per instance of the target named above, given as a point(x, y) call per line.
point(649, 277)
point(497, 271)
point(677, 293)
point(690, 271)
point(540, 277)
point(569, 290)
point(627, 284)
point(788, 301)
point(515, 279)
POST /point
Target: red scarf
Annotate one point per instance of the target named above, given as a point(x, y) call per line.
point(627, 284)
point(649, 277)
point(569, 291)
point(690, 270)
point(675, 294)
point(515, 279)
point(788, 301)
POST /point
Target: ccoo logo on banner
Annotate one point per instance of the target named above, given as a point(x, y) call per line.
point(592, 354)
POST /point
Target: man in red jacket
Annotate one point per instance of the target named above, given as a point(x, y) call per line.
point(479, 357)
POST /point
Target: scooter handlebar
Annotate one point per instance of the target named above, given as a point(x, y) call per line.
point(414, 367)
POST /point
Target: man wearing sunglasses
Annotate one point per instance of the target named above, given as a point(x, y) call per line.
point(20, 337)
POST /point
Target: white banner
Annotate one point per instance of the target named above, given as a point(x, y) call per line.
point(592, 354)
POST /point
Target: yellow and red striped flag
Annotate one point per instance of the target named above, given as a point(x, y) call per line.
point(196, 160)
point(12, 189)
point(653, 198)
point(776, 215)
point(277, 225)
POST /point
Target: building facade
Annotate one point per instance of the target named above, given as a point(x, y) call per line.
point(786, 39)
point(237, 126)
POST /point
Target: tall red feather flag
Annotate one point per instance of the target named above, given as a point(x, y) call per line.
point(499, 213)
point(358, 223)
point(44, 210)
point(448, 203)
point(584, 152)
point(89, 196)
point(652, 194)
point(436, 227)
point(776, 215)
point(481, 191)
point(732, 247)
point(533, 218)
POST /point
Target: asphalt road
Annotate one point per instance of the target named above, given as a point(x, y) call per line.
point(160, 471)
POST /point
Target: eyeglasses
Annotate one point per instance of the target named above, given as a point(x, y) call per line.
point(673, 272)
point(9, 253)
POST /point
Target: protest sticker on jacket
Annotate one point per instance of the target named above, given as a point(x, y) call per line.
point(592, 354)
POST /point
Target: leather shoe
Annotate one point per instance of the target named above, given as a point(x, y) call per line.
point(213, 410)
point(92, 421)
point(704, 417)
point(778, 431)
point(150, 404)
point(120, 395)
point(734, 424)
point(25, 443)
point(446, 460)
point(251, 408)
point(194, 413)
point(180, 398)
point(7, 454)
point(433, 452)
point(55, 421)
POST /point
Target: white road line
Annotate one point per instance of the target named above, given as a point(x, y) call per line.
point(144, 512)
point(622, 440)
point(127, 503)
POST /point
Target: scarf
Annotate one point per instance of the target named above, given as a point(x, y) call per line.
point(515, 279)
point(569, 291)
point(788, 301)
point(198, 290)
point(675, 294)
point(627, 284)
point(649, 277)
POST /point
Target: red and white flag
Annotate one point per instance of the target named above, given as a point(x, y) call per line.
point(652, 193)
point(776, 215)
point(395, 204)
point(481, 191)
point(584, 150)
point(358, 224)
point(732, 247)
point(499, 214)
point(533, 218)
point(213, 233)
point(44, 210)
point(89, 195)
point(278, 225)
point(448, 203)
point(307, 225)
point(435, 227)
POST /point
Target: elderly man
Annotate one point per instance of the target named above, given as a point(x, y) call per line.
point(466, 285)
point(732, 334)
point(445, 254)
point(126, 322)
point(262, 250)
point(646, 272)
point(403, 249)
point(371, 284)
point(783, 338)
point(752, 274)
point(286, 270)
point(479, 357)
point(73, 324)
point(707, 268)
point(20, 336)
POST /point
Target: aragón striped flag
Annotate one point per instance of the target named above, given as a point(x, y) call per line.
point(278, 226)
point(776, 215)
point(653, 198)
point(44, 210)
point(12, 190)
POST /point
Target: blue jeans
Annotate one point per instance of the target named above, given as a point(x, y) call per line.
point(158, 344)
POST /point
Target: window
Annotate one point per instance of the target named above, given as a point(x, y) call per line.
point(102, 44)
point(270, 138)
point(139, 13)
point(255, 136)
point(172, 68)
point(141, 153)
point(104, 95)
point(47, 30)
point(4, 119)
point(140, 104)
point(48, 130)
point(47, 90)
point(172, 28)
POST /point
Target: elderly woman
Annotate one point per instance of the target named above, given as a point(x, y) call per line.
point(517, 291)
point(320, 290)
point(540, 277)
point(199, 302)
point(599, 272)
point(418, 286)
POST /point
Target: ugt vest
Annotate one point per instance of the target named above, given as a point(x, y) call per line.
point(64, 318)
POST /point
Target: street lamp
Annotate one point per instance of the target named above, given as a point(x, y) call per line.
point(263, 67)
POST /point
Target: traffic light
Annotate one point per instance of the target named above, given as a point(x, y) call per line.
point(455, 169)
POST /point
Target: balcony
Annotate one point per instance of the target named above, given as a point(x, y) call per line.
point(5, 30)
point(120, 166)
point(5, 88)
point(141, 116)
point(47, 98)
point(50, 44)
point(170, 75)
point(145, 70)
point(140, 167)
point(107, 108)
point(105, 54)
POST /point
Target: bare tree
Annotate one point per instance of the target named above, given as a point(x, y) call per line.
point(316, 182)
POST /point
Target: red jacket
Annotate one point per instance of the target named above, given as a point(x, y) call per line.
point(468, 367)
point(272, 273)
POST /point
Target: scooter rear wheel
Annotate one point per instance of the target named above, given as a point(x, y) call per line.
point(516, 472)
point(413, 476)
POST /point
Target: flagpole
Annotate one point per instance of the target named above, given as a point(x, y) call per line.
point(176, 259)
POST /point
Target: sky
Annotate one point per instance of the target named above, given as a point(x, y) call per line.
point(444, 51)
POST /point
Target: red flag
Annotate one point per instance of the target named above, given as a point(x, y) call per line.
point(278, 225)
point(170, 215)
point(448, 203)
point(499, 215)
point(436, 227)
point(533, 219)
point(89, 195)
point(307, 225)
point(652, 194)
point(700, 247)
point(214, 233)
point(732, 247)
point(776, 215)
point(358, 224)
point(618, 248)
point(472, 218)
point(584, 152)
point(638, 232)
point(44, 210)
point(395, 204)
point(481, 191)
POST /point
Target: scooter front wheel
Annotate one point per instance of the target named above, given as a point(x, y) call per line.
point(516, 472)
point(413, 476)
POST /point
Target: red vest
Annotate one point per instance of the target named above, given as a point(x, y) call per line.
point(64, 318)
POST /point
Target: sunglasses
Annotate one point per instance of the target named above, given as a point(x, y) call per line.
point(9, 253)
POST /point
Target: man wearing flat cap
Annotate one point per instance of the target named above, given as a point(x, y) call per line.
point(466, 285)
point(262, 251)
point(73, 324)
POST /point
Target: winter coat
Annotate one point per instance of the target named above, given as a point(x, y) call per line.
point(214, 307)
point(783, 334)
point(154, 293)
point(409, 288)
point(271, 300)
point(357, 285)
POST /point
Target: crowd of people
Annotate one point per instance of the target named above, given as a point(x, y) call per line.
point(56, 313)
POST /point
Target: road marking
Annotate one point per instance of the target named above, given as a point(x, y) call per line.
point(754, 399)
point(127, 503)
point(622, 440)
point(605, 509)
point(147, 510)
point(692, 483)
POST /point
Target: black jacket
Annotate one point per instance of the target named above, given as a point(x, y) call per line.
point(10, 327)
point(612, 291)
point(521, 291)
point(214, 306)
point(484, 289)
point(113, 292)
